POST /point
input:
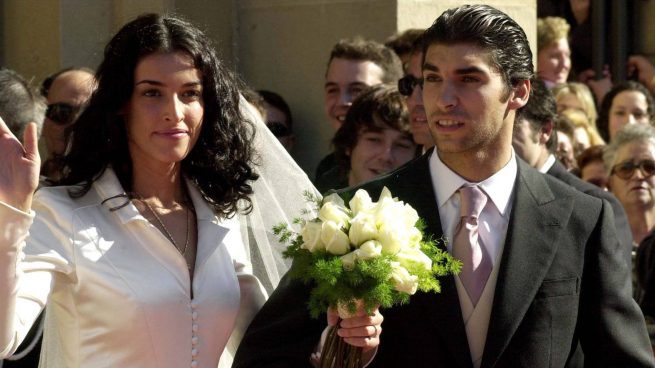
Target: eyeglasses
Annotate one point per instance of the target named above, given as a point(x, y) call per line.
point(625, 170)
point(62, 113)
point(407, 83)
point(278, 129)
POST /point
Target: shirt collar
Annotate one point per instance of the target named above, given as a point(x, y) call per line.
point(498, 187)
point(112, 193)
point(550, 161)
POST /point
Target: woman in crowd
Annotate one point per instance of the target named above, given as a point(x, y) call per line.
point(584, 136)
point(145, 250)
point(554, 54)
point(592, 167)
point(632, 180)
point(626, 103)
point(630, 163)
point(576, 96)
point(374, 139)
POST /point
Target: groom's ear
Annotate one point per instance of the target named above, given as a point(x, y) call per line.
point(519, 94)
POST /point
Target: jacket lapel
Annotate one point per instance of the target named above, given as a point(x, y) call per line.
point(413, 184)
point(531, 243)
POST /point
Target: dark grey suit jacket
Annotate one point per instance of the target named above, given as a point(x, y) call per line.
point(562, 281)
point(623, 232)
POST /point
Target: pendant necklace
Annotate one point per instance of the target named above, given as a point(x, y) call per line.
point(168, 234)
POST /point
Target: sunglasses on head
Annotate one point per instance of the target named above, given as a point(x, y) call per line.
point(407, 83)
point(278, 129)
point(625, 170)
point(62, 113)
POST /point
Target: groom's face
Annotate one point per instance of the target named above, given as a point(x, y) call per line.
point(466, 100)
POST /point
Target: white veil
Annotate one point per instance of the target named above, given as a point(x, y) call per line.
point(278, 197)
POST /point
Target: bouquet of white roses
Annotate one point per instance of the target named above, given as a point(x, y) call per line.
point(372, 253)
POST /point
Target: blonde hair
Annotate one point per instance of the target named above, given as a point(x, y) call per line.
point(581, 120)
point(583, 94)
point(551, 30)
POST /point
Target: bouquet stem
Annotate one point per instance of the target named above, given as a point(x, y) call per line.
point(337, 353)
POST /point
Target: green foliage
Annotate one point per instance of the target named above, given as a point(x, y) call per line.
point(369, 280)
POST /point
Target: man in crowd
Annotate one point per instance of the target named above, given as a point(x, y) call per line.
point(66, 92)
point(411, 86)
point(354, 65)
point(374, 140)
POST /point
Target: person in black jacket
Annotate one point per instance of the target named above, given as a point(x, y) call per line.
point(558, 279)
point(535, 142)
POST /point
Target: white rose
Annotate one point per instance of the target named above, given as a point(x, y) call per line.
point(389, 211)
point(335, 199)
point(402, 280)
point(370, 249)
point(414, 238)
point(311, 237)
point(410, 216)
point(348, 260)
point(411, 256)
point(393, 237)
point(334, 213)
point(385, 194)
point(361, 202)
point(335, 240)
point(362, 228)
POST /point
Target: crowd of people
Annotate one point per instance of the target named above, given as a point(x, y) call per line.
point(163, 174)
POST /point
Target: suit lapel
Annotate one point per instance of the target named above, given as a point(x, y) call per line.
point(531, 242)
point(413, 184)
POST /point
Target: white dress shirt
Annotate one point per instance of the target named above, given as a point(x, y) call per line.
point(118, 292)
point(550, 161)
point(492, 228)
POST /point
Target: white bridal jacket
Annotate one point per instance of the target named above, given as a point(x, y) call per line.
point(118, 292)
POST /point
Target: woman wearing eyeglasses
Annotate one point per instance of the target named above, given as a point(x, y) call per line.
point(143, 251)
point(630, 159)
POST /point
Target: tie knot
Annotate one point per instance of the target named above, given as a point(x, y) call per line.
point(472, 201)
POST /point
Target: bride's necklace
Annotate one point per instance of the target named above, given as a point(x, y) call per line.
point(182, 250)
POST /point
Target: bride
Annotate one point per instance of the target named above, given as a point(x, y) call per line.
point(154, 249)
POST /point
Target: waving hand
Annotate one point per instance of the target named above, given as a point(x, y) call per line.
point(19, 167)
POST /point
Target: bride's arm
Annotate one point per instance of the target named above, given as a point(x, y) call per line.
point(19, 175)
point(16, 314)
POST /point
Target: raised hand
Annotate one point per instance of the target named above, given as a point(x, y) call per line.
point(19, 167)
point(599, 86)
point(643, 68)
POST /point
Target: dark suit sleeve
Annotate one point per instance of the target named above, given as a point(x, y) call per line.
point(282, 334)
point(613, 331)
point(645, 264)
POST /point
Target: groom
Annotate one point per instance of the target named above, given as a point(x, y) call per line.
point(556, 279)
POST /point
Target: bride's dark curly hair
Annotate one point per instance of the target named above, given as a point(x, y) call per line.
point(220, 163)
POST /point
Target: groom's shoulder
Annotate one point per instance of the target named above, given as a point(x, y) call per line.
point(413, 174)
point(548, 188)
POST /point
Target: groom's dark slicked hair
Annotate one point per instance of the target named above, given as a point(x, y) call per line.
point(489, 29)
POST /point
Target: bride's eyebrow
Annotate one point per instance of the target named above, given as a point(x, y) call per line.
point(157, 83)
point(147, 81)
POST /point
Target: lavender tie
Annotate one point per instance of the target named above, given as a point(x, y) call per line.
point(467, 245)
